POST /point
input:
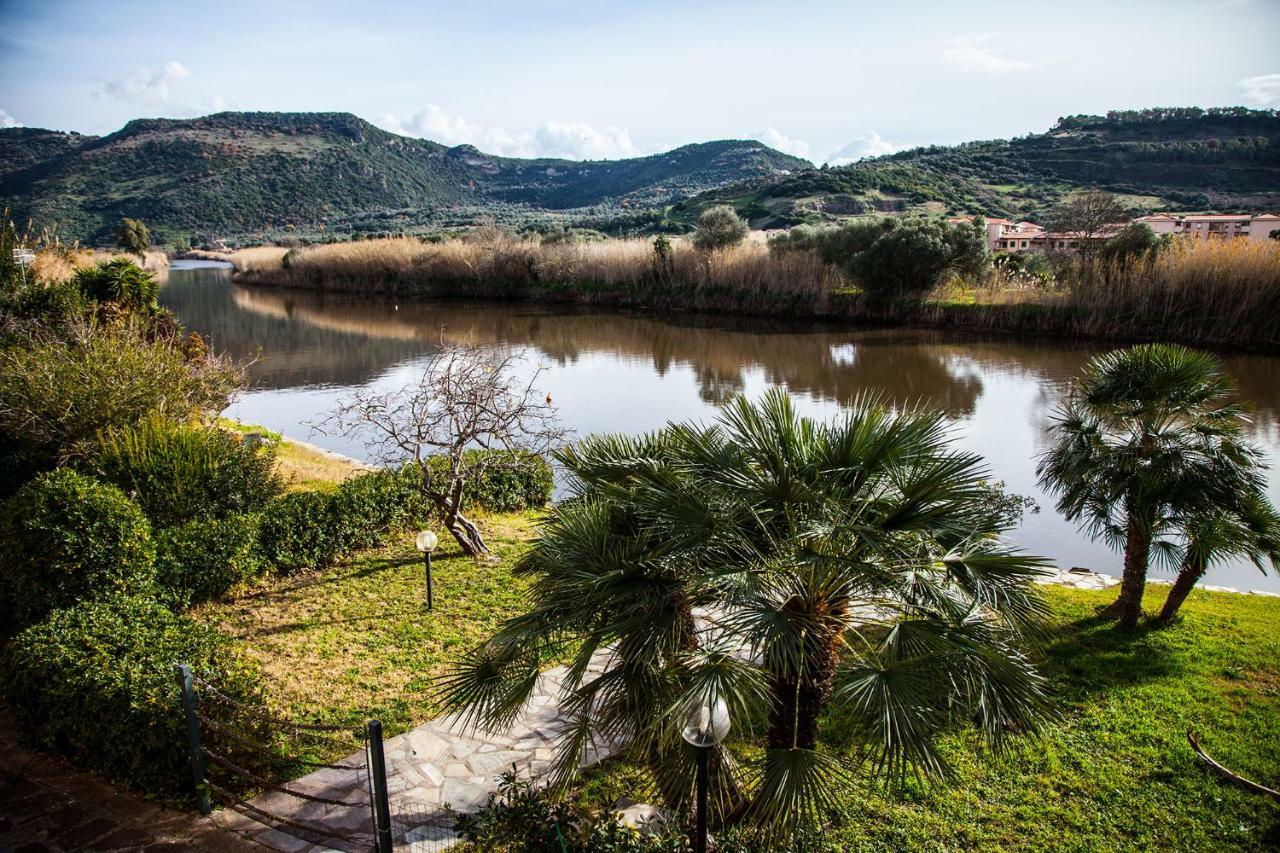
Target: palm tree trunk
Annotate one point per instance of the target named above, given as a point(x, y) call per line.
point(1137, 546)
point(798, 703)
point(1188, 576)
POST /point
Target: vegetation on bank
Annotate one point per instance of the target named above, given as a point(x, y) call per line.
point(131, 503)
point(1206, 292)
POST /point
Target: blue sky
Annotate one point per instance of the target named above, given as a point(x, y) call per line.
point(829, 81)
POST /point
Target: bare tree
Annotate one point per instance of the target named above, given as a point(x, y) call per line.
point(1088, 216)
point(467, 398)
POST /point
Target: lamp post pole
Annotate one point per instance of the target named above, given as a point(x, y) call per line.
point(430, 597)
point(426, 542)
point(706, 725)
point(704, 774)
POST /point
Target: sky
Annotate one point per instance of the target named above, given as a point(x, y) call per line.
point(831, 82)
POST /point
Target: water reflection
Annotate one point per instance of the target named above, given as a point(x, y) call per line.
point(611, 372)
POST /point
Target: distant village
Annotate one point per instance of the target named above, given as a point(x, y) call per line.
point(1005, 235)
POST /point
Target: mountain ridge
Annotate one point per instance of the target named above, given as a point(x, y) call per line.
point(237, 172)
point(257, 176)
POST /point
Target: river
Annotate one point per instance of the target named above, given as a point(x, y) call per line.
point(633, 373)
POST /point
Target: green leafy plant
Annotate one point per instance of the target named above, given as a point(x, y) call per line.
point(65, 537)
point(719, 227)
point(297, 532)
point(120, 281)
point(1148, 434)
point(134, 236)
point(96, 683)
point(179, 471)
point(793, 532)
point(60, 389)
point(203, 559)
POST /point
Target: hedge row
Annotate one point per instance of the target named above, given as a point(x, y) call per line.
point(308, 530)
point(95, 594)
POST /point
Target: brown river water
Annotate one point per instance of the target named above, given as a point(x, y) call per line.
point(611, 372)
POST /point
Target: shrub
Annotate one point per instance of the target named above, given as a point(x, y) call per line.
point(719, 227)
point(1131, 242)
point(66, 537)
point(368, 507)
point(179, 472)
point(507, 482)
point(120, 281)
point(309, 530)
point(96, 683)
point(203, 559)
point(892, 258)
point(296, 532)
point(58, 392)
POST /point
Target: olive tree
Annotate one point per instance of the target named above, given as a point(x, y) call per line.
point(466, 398)
point(134, 236)
point(719, 227)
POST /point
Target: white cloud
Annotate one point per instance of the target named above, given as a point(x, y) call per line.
point(1262, 91)
point(7, 120)
point(786, 144)
point(147, 86)
point(974, 54)
point(871, 145)
point(569, 140)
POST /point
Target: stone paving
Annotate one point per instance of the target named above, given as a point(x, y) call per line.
point(439, 764)
point(428, 768)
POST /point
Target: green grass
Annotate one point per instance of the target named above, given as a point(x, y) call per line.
point(356, 641)
point(1115, 772)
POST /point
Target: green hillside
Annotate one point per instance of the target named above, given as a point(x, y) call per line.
point(238, 173)
point(1183, 158)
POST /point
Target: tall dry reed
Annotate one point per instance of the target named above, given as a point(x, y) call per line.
point(624, 272)
point(1200, 292)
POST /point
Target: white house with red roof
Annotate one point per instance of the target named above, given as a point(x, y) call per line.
point(1204, 226)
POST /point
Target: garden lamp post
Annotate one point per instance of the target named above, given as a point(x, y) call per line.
point(426, 543)
point(706, 726)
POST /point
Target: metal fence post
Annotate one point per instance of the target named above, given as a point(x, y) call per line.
point(378, 777)
point(194, 747)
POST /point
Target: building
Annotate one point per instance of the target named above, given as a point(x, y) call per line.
point(1005, 235)
point(1207, 226)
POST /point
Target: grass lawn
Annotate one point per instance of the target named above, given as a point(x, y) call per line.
point(356, 641)
point(1115, 772)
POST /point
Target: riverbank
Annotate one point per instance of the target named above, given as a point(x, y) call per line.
point(1222, 294)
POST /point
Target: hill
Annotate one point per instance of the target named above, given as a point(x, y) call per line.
point(240, 173)
point(1184, 158)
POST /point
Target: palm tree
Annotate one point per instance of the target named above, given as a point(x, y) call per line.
point(1248, 529)
point(782, 565)
point(1148, 433)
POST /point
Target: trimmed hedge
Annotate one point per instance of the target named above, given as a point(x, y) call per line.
point(96, 683)
point(295, 533)
point(309, 530)
point(203, 559)
point(65, 537)
point(180, 472)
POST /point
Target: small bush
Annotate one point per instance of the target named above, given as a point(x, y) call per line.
point(368, 507)
point(96, 683)
point(203, 559)
point(507, 482)
point(719, 227)
point(120, 281)
point(59, 391)
point(297, 532)
point(179, 472)
point(66, 537)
